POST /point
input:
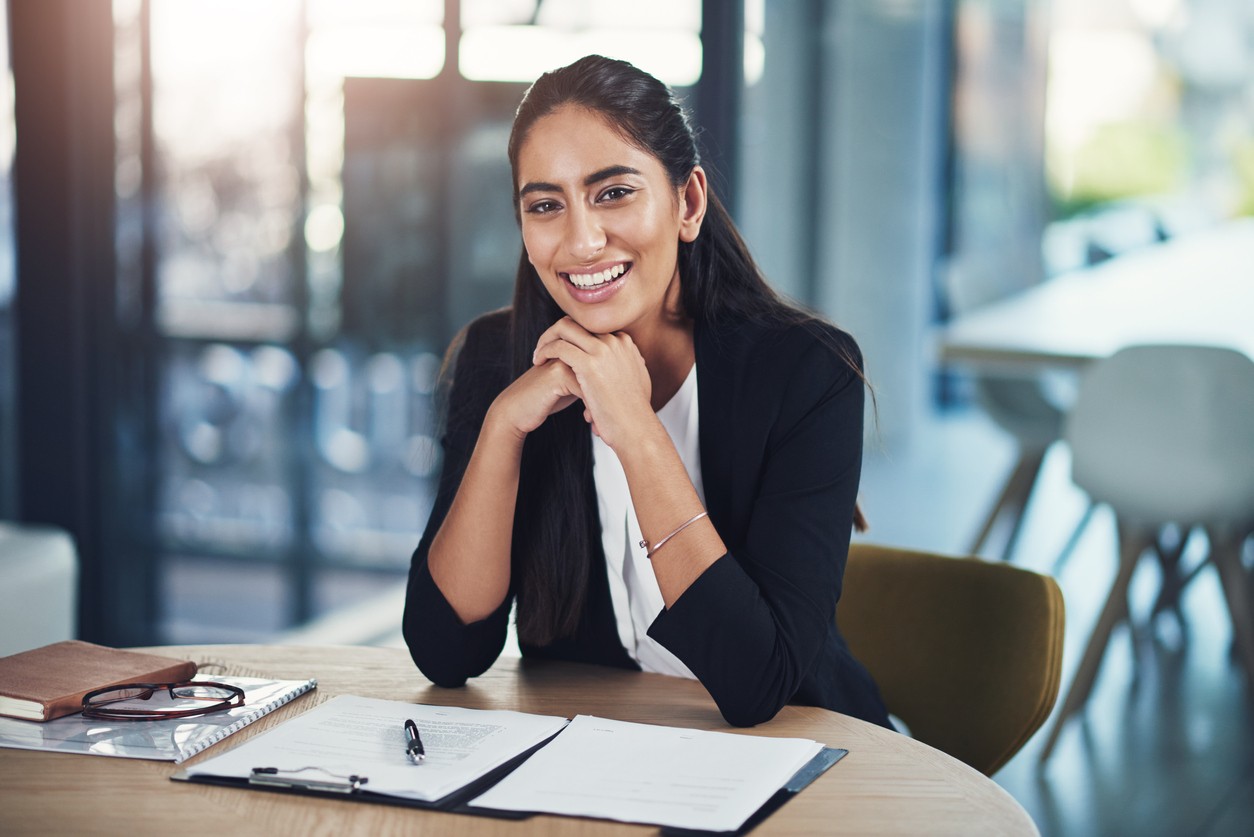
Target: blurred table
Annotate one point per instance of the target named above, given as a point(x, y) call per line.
point(1196, 289)
point(887, 784)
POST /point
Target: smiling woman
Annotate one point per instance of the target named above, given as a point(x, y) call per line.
point(650, 451)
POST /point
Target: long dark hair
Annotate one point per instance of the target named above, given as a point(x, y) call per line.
point(719, 281)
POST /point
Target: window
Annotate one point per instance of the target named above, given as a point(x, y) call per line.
point(519, 40)
point(1101, 126)
point(1149, 127)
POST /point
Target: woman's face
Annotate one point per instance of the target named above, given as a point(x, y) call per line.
point(601, 222)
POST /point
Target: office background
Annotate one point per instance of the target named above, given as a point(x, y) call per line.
point(235, 238)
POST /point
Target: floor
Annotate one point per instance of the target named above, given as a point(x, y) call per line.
point(1166, 745)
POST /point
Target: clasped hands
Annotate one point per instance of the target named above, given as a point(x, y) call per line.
point(605, 371)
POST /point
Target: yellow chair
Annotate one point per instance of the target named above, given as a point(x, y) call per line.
point(968, 653)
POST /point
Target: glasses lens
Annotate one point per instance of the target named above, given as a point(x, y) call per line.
point(119, 695)
point(202, 692)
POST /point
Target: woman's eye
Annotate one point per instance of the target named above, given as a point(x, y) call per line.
point(615, 193)
point(543, 207)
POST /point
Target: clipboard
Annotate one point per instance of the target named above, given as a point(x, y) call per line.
point(350, 748)
point(355, 788)
point(812, 770)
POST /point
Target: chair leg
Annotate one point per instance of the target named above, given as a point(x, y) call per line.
point(1239, 591)
point(1173, 583)
point(1070, 546)
point(1014, 497)
point(1131, 545)
point(1021, 510)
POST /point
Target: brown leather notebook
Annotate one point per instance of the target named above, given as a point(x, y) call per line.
point(48, 682)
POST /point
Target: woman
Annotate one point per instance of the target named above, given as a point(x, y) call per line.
point(655, 455)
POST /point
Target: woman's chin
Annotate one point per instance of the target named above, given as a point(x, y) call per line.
point(597, 322)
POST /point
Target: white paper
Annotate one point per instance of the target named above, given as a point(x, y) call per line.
point(651, 774)
point(365, 736)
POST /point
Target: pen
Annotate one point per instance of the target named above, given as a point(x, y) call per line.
point(413, 743)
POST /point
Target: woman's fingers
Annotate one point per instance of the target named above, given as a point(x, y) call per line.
point(562, 383)
point(610, 374)
point(570, 331)
point(560, 350)
point(537, 394)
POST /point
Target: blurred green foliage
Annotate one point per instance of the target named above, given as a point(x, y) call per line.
point(1120, 161)
point(1243, 164)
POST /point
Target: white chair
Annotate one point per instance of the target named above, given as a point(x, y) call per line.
point(1024, 406)
point(1020, 407)
point(1165, 435)
point(38, 586)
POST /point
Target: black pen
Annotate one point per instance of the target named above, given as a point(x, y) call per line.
point(413, 743)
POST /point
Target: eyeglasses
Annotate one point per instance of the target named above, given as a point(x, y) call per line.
point(154, 701)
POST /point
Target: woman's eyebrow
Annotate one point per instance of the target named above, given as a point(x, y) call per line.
point(596, 177)
point(607, 173)
point(538, 186)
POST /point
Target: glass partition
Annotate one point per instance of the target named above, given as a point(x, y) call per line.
point(8, 447)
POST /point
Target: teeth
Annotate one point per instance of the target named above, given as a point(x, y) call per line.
point(591, 280)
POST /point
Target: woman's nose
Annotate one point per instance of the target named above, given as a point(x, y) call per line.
point(584, 237)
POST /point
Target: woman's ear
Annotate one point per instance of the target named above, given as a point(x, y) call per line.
point(692, 203)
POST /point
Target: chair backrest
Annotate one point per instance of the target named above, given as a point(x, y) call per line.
point(968, 653)
point(1166, 434)
point(1020, 406)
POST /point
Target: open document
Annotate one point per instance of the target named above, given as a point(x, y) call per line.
point(363, 738)
point(685, 778)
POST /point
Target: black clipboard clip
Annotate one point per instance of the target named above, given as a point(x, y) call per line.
point(277, 777)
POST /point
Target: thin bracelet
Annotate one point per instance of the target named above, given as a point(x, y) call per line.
point(649, 550)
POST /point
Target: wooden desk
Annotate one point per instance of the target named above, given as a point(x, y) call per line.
point(1198, 288)
point(888, 784)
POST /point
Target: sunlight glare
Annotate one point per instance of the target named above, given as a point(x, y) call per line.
point(376, 52)
point(1096, 78)
point(523, 53)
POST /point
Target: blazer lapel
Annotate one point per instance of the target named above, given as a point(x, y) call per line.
point(718, 388)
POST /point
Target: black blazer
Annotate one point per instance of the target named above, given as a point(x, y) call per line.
point(780, 414)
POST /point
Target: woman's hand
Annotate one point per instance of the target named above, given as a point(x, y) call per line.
point(610, 377)
point(538, 393)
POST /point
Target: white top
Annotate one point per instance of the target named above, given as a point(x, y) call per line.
point(634, 592)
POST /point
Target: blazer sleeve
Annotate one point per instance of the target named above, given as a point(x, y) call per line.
point(752, 625)
point(444, 648)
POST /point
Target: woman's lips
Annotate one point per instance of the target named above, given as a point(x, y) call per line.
point(599, 285)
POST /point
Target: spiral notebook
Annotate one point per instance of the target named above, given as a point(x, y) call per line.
point(176, 740)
